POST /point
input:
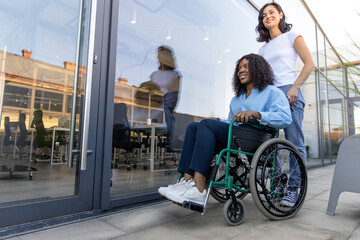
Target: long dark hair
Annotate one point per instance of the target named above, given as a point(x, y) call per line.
point(260, 74)
point(264, 34)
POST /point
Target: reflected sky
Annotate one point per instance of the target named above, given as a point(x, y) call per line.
point(47, 28)
point(207, 36)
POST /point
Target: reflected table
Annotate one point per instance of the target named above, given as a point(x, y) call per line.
point(152, 128)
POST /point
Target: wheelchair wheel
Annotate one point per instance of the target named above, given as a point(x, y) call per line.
point(234, 212)
point(269, 178)
point(240, 176)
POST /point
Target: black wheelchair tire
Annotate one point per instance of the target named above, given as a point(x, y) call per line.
point(231, 216)
point(258, 189)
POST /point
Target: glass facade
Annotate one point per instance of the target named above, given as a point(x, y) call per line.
point(38, 49)
point(187, 48)
point(203, 41)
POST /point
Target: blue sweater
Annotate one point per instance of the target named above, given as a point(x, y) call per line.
point(271, 103)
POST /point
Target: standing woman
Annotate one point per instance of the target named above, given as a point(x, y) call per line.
point(281, 48)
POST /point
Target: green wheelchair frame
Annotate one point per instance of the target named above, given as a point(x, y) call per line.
point(268, 170)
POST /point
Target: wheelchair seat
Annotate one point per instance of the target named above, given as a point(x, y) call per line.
point(251, 139)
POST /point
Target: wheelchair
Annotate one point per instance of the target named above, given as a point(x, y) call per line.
point(258, 164)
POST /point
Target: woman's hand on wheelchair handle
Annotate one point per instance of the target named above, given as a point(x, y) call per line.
point(244, 116)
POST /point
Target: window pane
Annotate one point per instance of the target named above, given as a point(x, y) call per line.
point(197, 44)
point(48, 101)
point(17, 96)
point(38, 47)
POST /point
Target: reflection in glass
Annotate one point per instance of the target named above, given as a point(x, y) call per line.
point(356, 115)
point(336, 134)
point(38, 46)
point(354, 81)
point(15, 96)
point(169, 73)
point(48, 101)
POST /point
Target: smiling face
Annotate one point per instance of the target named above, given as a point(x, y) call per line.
point(271, 17)
point(243, 73)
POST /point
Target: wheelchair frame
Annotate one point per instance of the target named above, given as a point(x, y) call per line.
point(265, 164)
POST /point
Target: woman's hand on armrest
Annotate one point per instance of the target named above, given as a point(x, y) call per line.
point(245, 115)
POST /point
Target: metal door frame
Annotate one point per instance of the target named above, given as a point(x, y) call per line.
point(103, 172)
point(84, 201)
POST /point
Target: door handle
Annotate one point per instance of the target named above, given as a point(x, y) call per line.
point(85, 130)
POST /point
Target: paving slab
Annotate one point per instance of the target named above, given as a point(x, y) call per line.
point(90, 229)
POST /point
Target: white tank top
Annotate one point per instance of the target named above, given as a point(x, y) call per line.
point(281, 55)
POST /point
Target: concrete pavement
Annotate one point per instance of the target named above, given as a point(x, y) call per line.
point(169, 221)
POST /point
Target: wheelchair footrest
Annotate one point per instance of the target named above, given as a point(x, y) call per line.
point(193, 206)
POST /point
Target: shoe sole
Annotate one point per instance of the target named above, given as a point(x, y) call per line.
point(180, 200)
point(174, 197)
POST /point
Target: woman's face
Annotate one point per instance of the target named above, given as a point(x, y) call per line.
point(243, 73)
point(271, 17)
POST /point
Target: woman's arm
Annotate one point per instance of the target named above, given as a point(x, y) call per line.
point(305, 56)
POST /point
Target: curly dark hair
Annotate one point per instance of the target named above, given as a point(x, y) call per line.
point(264, 35)
point(260, 74)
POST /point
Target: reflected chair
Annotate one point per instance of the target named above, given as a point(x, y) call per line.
point(10, 135)
point(8, 140)
point(122, 136)
point(22, 139)
point(18, 141)
point(180, 123)
point(40, 134)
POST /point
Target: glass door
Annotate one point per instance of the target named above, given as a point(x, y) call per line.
point(354, 116)
point(45, 86)
point(173, 65)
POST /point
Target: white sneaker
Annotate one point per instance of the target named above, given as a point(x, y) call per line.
point(191, 194)
point(179, 184)
point(174, 193)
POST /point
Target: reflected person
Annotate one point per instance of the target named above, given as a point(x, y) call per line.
point(168, 79)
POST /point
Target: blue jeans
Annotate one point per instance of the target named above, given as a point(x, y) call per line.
point(294, 134)
point(169, 119)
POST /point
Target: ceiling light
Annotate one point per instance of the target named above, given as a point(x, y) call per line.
point(168, 37)
point(227, 48)
point(207, 36)
point(133, 21)
point(219, 60)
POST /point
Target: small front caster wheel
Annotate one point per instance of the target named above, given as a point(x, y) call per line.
point(234, 212)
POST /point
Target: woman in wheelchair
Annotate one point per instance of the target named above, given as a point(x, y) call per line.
point(255, 97)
